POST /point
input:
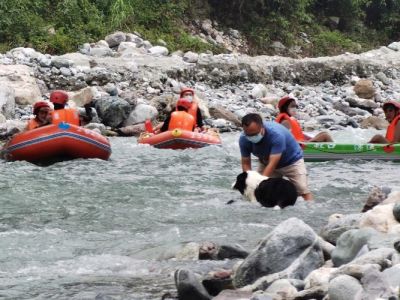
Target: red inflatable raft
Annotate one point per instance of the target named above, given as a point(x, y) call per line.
point(57, 143)
point(180, 139)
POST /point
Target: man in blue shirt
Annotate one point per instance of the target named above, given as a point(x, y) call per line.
point(279, 153)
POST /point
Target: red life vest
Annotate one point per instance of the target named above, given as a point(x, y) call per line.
point(295, 127)
point(67, 115)
point(391, 129)
point(181, 120)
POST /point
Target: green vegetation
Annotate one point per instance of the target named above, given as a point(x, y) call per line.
point(320, 27)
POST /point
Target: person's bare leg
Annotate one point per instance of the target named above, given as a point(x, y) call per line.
point(378, 139)
point(322, 137)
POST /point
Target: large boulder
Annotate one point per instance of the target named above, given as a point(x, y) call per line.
point(374, 122)
point(189, 286)
point(364, 88)
point(115, 39)
point(375, 197)
point(7, 101)
point(291, 250)
point(141, 113)
point(218, 112)
point(381, 218)
point(350, 243)
point(22, 80)
point(113, 110)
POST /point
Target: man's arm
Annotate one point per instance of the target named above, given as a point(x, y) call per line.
point(272, 163)
point(246, 164)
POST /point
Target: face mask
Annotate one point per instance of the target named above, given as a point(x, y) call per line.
point(292, 111)
point(189, 97)
point(255, 138)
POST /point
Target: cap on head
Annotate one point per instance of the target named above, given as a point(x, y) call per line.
point(185, 103)
point(59, 97)
point(186, 90)
point(391, 102)
point(284, 101)
point(38, 105)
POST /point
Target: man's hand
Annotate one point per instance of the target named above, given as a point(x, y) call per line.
point(272, 163)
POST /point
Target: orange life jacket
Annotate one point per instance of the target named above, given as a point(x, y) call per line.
point(33, 124)
point(391, 129)
point(181, 120)
point(295, 127)
point(67, 115)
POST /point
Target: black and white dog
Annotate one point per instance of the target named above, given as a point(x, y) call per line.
point(269, 192)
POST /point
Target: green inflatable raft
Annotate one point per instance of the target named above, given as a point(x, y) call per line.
point(333, 151)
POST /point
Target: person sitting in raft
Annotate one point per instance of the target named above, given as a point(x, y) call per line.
point(42, 112)
point(180, 118)
point(62, 113)
point(392, 114)
point(188, 93)
point(287, 112)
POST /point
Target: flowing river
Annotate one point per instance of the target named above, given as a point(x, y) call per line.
point(92, 229)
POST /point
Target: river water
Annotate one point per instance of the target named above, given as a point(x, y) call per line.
point(92, 229)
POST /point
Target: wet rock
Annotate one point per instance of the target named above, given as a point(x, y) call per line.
point(344, 287)
point(140, 114)
point(112, 110)
point(189, 286)
point(349, 244)
point(209, 250)
point(215, 284)
point(299, 254)
point(339, 224)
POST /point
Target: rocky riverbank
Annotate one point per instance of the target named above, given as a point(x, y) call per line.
point(131, 80)
point(354, 256)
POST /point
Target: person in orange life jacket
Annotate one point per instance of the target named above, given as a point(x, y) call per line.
point(188, 93)
point(70, 115)
point(182, 105)
point(392, 114)
point(287, 112)
point(42, 112)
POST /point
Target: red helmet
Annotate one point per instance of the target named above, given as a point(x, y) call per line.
point(183, 102)
point(186, 90)
point(59, 97)
point(38, 105)
point(285, 100)
point(392, 102)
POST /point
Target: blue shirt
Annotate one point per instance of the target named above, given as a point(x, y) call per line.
point(277, 139)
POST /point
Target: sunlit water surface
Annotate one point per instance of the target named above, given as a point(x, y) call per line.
point(92, 229)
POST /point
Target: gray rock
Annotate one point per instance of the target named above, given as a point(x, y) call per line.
point(354, 270)
point(101, 52)
point(350, 243)
point(237, 295)
point(376, 196)
point(392, 276)
point(60, 62)
point(345, 287)
point(112, 110)
point(191, 57)
point(376, 285)
point(283, 288)
point(141, 113)
point(189, 286)
point(383, 78)
point(115, 39)
point(339, 224)
point(385, 257)
point(7, 101)
point(395, 46)
point(396, 212)
point(132, 130)
point(299, 253)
